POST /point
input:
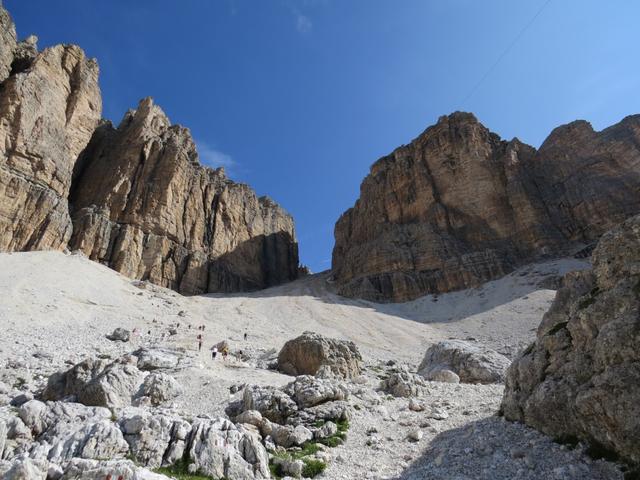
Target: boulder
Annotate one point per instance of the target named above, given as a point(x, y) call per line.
point(150, 359)
point(404, 384)
point(580, 379)
point(74, 380)
point(23, 469)
point(219, 449)
point(120, 335)
point(288, 436)
point(67, 430)
point(472, 363)
point(308, 353)
point(115, 386)
point(273, 404)
point(308, 391)
point(160, 387)
point(154, 439)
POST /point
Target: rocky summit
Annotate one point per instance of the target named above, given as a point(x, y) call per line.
point(459, 206)
point(134, 197)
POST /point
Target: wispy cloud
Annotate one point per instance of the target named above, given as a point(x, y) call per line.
point(303, 23)
point(214, 158)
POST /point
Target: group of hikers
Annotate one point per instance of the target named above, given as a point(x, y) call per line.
point(222, 347)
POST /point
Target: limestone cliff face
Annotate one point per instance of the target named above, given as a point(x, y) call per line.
point(580, 379)
point(145, 206)
point(49, 106)
point(141, 202)
point(459, 206)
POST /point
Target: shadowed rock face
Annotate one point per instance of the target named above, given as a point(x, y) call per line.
point(458, 206)
point(140, 200)
point(144, 205)
point(580, 379)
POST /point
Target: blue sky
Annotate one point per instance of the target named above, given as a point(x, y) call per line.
point(299, 97)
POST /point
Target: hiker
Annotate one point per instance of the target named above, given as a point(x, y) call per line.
point(214, 352)
point(225, 352)
point(245, 336)
point(199, 345)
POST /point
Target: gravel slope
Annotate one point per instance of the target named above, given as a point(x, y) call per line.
point(56, 309)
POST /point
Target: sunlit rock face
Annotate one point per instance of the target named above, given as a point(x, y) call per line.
point(135, 197)
point(143, 204)
point(458, 206)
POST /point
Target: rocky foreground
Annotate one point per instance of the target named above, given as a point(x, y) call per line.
point(82, 400)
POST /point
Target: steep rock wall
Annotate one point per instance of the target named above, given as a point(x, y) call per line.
point(458, 206)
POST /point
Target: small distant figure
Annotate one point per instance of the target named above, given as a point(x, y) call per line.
point(149, 332)
point(214, 352)
point(199, 345)
point(225, 352)
point(203, 328)
point(245, 336)
point(189, 326)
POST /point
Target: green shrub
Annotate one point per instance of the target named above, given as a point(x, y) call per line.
point(313, 467)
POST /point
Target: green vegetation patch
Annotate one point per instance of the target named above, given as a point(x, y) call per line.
point(180, 471)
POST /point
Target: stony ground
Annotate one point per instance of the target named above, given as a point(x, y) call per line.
point(56, 310)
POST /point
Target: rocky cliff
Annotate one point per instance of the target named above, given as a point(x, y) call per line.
point(459, 206)
point(134, 197)
point(143, 204)
point(580, 379)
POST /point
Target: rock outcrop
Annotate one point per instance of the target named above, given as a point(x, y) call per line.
point(314, 354)
point(135, 197)
point(458, 206)
point(49, 106)
point(580, 379)
point(145, 206)
point(470, 363)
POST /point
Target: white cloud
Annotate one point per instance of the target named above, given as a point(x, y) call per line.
point(214, 158)
point(303, 23)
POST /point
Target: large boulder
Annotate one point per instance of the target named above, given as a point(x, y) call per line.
point(72, 381)
point(160, 387)
point(219, 449)
point(154, 439)
point(580, 379)
point(472, 363)
point(273, 404)
point(150, 359)
point(308, 353)
point(68, 430)
point(116, 386)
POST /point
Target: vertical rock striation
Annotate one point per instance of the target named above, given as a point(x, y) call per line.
point(49, 106)
point(144, 205)
point(140, 200)
point(458, 206)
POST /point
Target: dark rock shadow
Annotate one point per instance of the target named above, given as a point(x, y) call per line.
point(443, 308)
point(493, 448)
